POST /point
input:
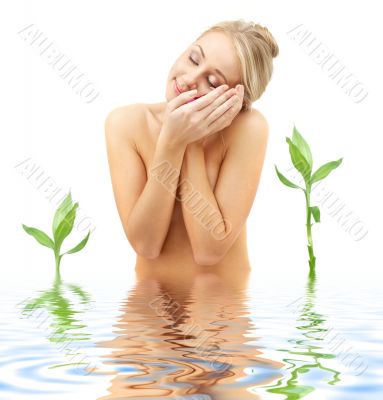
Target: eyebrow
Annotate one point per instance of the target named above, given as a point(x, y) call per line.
point(216, 70)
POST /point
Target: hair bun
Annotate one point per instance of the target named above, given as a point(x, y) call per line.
point(269, 39)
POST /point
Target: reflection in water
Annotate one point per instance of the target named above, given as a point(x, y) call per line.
point(306, 357)
point(192, 336)
point(54, 313)
point(181, 336)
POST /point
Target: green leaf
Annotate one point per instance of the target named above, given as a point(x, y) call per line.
point(285, 181)
point(62, 211)
point(80, 246)
point(303, 147)
point(298, 160)
point(40, 236)
point(324, 170)
point(65, 227)
point(315, 213)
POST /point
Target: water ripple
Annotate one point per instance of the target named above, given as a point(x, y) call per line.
point(218, 339)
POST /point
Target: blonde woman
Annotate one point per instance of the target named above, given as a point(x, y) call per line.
point(185, 171)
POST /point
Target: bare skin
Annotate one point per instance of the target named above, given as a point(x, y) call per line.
point(224, 167)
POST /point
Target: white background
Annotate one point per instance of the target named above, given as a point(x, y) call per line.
point(126, 49)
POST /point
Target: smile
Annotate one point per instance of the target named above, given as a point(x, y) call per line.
point(176, 88)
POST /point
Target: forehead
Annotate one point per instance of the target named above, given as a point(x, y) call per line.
point(220, 53)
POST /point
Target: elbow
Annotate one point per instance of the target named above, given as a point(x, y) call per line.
point(146, 254)
point(206, 257)
point(143, 248)
point(146, 251)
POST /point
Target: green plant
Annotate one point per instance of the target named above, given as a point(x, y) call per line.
point(62, 226)
point(302, 160)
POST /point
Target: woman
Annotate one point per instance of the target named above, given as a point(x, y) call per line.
point(185, 172)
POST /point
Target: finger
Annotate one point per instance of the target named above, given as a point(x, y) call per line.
point(230, 106)
point(207, 111)
point(204, 101)
point(223, 122)
point(240, 90)
point(181, 99)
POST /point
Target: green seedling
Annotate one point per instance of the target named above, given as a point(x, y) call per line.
point(61, 227)
point(302, 160)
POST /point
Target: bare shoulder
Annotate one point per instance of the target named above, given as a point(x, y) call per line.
point(121, 122)
point(246, 140)
point(251, 123)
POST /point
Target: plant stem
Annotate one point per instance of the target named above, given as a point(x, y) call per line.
point(57, 259)
point(310, 245)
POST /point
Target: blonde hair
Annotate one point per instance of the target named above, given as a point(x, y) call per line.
point(255, 47)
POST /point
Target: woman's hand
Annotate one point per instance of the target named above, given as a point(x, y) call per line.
point(228, 116)
point(188, 120)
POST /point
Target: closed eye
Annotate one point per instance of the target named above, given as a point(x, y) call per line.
point(206, 78)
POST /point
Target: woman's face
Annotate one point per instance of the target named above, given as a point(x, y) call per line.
point(209, 62)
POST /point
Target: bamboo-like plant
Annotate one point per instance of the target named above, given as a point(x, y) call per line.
point(62, 226)
point(302, 160)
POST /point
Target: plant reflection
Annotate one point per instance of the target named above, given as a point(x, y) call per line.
point(308, 348)
point(54, 313)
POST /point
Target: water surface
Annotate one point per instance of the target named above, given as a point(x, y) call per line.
point(213, 337)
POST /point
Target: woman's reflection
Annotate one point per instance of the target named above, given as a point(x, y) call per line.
point(181, 335)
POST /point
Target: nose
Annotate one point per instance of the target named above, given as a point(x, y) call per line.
point(191, 81)
point(191, 84)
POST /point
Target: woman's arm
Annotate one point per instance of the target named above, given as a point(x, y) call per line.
point(145, 204)
point(216, 222)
